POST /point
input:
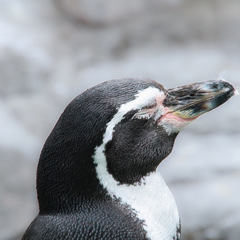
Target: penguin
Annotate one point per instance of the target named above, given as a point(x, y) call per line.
point(97, 175)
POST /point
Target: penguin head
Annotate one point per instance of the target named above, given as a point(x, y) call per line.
point(143, 130)
point(123, 128)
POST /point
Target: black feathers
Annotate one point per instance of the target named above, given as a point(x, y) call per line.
point(73, 203)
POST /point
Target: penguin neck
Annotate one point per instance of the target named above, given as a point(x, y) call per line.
point(150, 198)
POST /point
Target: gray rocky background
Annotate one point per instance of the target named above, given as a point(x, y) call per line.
point(50, 51)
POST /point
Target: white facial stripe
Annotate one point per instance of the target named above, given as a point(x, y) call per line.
point(143, 98)
point(152, 201)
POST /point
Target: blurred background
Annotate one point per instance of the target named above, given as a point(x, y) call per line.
point(50, 51)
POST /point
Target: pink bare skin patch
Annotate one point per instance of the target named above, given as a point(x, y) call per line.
point(172, 122)
point(170, 115)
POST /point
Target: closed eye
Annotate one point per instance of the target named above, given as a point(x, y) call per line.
point(146, 112)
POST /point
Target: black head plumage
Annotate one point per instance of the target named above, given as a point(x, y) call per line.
point(66, 171)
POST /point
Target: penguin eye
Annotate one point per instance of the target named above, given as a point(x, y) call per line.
point(146, 112)
point(142, 115)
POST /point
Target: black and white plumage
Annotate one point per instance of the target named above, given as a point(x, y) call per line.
point(97, 175)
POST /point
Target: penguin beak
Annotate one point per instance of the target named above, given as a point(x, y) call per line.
point(190, 101)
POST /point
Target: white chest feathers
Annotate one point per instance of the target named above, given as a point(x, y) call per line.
point(152, 201)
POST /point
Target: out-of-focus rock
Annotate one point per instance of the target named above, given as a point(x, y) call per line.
point(18, 201)
point(209, 208)
point(197, 158)
point(20, 73)
point(35, 112)
point(14, 135)
point(99, 12)
point(19, 150)
point(26, 65)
